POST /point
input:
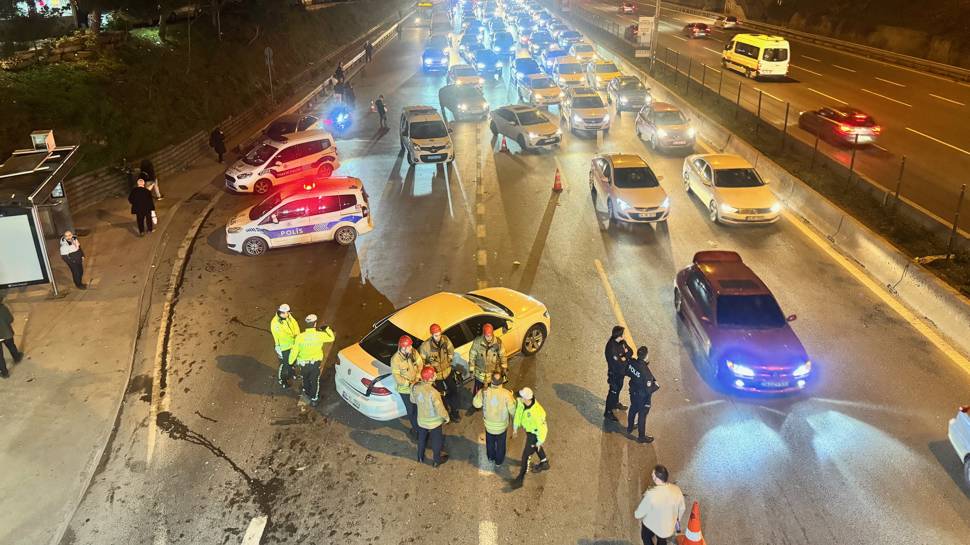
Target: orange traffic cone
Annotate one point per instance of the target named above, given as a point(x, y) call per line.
point(505, 146)
point(557, 185)
point(373, 108)
point(693, 535)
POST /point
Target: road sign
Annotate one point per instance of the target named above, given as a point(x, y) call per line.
point(645, 31)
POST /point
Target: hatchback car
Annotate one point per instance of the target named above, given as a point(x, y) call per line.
point(550, 56)
point(600, 73)
point(844, 125)
point(464, 74)
point(463, 101)
point(628, 93)
point(525, 67)
point(626, 189)
point(664, 127)
point(584, 52)
point(735, 323)
point(503, 44)
point(584, 110)
point(568, 38)
point(697, 30)
point(730, 188)
point(959, 434)
point(468, 42)
point(538, 42)
point(540, 90)
point(434, 59)
point(363, 373)
point(488, 63)
point(568, 72)
point(527, 126)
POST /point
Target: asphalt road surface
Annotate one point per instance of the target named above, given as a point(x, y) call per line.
point(924, 117)
point(861, 458)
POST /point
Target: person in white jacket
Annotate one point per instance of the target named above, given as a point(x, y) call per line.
point(660, 509)
point(73, 255)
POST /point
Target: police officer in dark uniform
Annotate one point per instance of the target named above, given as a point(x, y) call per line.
point(642, 386)
point(618, 354)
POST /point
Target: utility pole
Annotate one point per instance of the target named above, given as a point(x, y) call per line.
point(655, 36)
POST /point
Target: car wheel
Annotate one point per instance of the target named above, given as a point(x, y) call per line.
point(712, 212)
point(521, 142)
point(687, 188)
point(493, 128)
point(410, 159)
point(678, 303)
point(535, 339)
point(345, 236)
point(966, 471)
point(254, 246)
point(402, 146)
point(639, 134)
point(325, 170)
point(262, 187)
point(610, 215)
point(653, 142)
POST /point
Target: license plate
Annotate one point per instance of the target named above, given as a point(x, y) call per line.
point(437, 157)
point(678, 142)
point(772, 384)
point(647, 216)
point(752, 218)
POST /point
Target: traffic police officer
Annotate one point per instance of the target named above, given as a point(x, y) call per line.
point(432, 415)
point(618, 354)
point(406, 365)
point(285, 329)
point(642, 386)
point(485, 357)
point(531, 417)
point(308, 354)
point(438, 352)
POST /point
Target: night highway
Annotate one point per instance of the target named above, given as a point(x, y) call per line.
point(859, 457)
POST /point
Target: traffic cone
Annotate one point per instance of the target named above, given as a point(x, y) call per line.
point(505, 146)
point(373, 108)
point(557, 185)
point(693, 535)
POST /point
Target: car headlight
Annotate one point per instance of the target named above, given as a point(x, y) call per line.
point(666, 203)
point(623, 204)
point(244, 175)
point(519, 75)
point(558, 132)
point(533, 136)
point(498, 64)
point(463, 106)
point(481, 81)
point(481, 65)
point(606, 118)
point(232, 230)
point(427, 61)
point(661, 133)
point(740, 370)
point(691, 132)
point(624, 100)
point(728, 209)
point(803, 369)
point(497, 49)
point(775, 208)
point(577, 118)
point(561, 94)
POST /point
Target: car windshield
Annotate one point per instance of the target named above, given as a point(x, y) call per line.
point(630, 85)
point(464, 71)
point(422, 130)
point(670, 117)
point(606, 68)
point(749, 311)
point(737, 177)
point(260, 154)
point(382, 341)
point(542, 83)
point(469, 94)
point(570, 35)
point(527, 66)
point(636, 177)
point(583, 48)
point(570, 68)
point(488, 305)
point(591, 101)
point(776, 54)
point(531, 117)
point(262, 208)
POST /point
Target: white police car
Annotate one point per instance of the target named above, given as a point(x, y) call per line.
point(280, 159)
point(330, 209)
point(959, 434)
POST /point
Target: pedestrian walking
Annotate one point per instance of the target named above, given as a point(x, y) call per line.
point(6, 338)
point(350, 99)
point(142, 206)
point(285, 330)
point(338, 73)
point(308, 354)
point(217, 141)
point(485, 357)
point(432, 415)
point(368, 51)
point(151, 180)
point(642, 386)
point(406, 365)
point(660, 509)
point(618, 354)
point(381, 108)
point(498, 406)
point(531, 417)
point(73, 255)
point(439, 352)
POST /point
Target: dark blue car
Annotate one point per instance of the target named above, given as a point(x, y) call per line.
point(434, 59)
point(539, 41)
point(525, 67)
point(503, 44)
point(488, 63)
point(568, 38)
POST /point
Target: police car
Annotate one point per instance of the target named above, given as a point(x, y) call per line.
point(280, 159)
point(331, 209)
point(425, 137)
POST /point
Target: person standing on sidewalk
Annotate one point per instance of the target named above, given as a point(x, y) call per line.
point(73, 255)
point(438, 352)
point(531, 417)
point(432, 415)
point(498, 406)
point(381, 108)
point(406, 364)
point(642, 386)
point(368, 51)
point(661, 509)
point(308, 354)
point(151, 180)
point(618, 354)
point(142, 206)
point(285, 330)
point(217, 141)
point(6, 338)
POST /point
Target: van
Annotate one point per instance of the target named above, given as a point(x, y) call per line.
point(425, 137)
point(279, 159)
point(757, 55)
point(331, 209)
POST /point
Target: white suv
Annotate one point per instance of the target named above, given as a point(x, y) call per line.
point(283, 159)
point(425, 137)
point(529, 127)
point(583, 109)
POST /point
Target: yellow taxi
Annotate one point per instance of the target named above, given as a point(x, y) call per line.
point(600, 73)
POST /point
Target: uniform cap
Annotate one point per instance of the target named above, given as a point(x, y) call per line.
point(404, 341)
point(311, 318)
point(526, 393)
point(487, 329)
point(427, 374)
point(283, 308)
point(435, 328)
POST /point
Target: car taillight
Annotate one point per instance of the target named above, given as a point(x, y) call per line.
point(876, 129)
point(375, 390)
point(846, 129)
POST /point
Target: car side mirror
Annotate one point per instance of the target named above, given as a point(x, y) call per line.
point(792, 318)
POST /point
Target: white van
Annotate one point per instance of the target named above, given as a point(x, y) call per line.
point(283, 159)
point(425, 137)
point(757, 55)
point(332, 209)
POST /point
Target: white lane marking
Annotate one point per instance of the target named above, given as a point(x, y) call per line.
point(885, 97)
point(805, 69)
point(890, 82)
point(843, 68)
point(937, 140)
point(948, 100)
point(712, 51)
point(827, 96)
point(487, 533)
point(766, 93)
point(255, 531)
point(614, 304)
point(880, 147)
point(679, 38)
point(811, 58)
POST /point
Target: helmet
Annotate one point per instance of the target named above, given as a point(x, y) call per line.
point(427, 374)
point(435, 328)
point(487, 329)
point(310, 319)
point(283, 308)
point(526, 393)
point(404, 341)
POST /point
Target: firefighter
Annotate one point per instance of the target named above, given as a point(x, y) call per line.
point(406, 363)
point(618, 354)
point(498, 406)
point(285, 329)
point(439, 352)
point(308, 354)
point(531, 417)
point(485, 357)
point(642, 386)
point(432, 415)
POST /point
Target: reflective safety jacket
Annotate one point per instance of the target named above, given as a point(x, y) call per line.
point(406, 370)
point(308, 346)
point(438, 355)
point(284, 331)
point(498, 406)
point(532, 419)
point(431, 409)
point(485, 358)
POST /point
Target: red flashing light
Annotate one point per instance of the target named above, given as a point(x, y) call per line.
point(876, 129)
point(376, 390)
point(309, 185)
